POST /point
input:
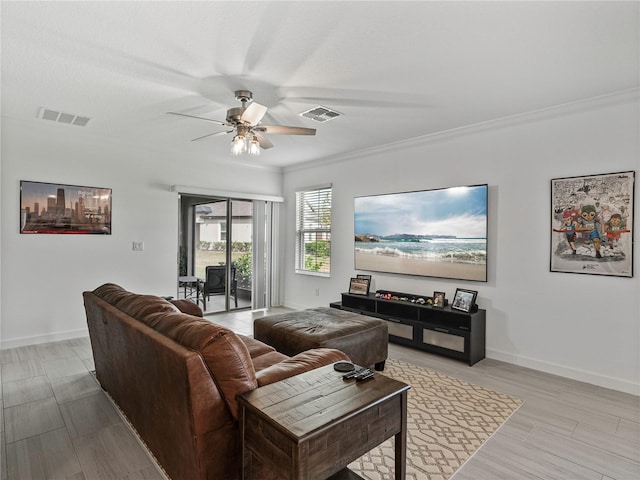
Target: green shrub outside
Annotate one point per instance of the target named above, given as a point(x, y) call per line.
point(319, 248)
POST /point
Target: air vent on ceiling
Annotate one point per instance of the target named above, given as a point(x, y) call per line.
point(321, 114)
point(60, 117)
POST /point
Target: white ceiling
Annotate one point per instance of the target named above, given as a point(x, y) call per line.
point(396, 70)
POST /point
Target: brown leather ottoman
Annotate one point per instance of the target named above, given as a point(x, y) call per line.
point(364, 339)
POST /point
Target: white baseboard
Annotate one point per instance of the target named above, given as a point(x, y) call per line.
point(567, 372)
point(295, 306)
point(50, 337)
point(548, 367)
point(618, 384)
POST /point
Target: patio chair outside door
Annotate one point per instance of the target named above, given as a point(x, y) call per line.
point(216, 283)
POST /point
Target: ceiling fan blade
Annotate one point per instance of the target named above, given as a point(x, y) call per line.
point(284, 130)
point(213, 135)
point(200, 118)
point(264, 141)
point(253, 114)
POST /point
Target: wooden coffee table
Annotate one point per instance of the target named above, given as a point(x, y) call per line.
point(312, 425)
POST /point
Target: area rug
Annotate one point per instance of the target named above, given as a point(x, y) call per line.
point(447, 421)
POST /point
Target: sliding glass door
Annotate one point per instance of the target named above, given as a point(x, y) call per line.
point(216, 248)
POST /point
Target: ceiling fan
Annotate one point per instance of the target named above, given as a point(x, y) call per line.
point(245, 125)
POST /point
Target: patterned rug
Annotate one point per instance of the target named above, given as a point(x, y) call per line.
point(448, 420)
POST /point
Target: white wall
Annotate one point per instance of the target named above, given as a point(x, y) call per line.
point(580, 326)
point(43, 276)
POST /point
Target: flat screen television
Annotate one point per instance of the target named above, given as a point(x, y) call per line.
point(433, 233)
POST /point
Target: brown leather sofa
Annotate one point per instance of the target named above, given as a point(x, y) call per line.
point(176, 376)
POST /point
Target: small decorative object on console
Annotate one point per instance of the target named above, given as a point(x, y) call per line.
point(403, 297)
point(438, 299)
point(464, 300)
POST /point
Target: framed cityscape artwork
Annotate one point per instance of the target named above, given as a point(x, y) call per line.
point(592, 224)
point(51, 208)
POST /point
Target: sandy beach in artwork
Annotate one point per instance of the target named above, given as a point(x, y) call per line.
point(417, 266)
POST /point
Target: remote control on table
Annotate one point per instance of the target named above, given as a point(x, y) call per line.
point(364, 376)
point(355, 373)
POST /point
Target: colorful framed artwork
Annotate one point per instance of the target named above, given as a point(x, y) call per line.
point(52, 208)
point(592, 224)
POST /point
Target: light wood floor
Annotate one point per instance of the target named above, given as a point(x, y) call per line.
point(57, 424)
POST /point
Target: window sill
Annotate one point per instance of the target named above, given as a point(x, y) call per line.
point(313, 274)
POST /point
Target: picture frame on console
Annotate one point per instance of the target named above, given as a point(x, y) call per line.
point(438, 299)
point(359, 286)
point(464, 300)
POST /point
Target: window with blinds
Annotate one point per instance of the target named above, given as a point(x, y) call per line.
point(313, 231)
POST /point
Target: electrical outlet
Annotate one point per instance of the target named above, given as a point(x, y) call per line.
point(138, 246)
point(317, 292)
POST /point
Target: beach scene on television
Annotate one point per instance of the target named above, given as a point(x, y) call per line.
point(434, 233)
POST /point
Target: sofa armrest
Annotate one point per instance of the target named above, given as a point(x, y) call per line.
point(188, 306)
point(303, 362)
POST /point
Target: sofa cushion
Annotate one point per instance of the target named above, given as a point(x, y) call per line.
point(262, 355)
point(133, 304)
point(267, 359)
point(186, 305)
point(225, 354)
point(256, 348)
point(139, 306)
point(305, 361)
point(111, 293)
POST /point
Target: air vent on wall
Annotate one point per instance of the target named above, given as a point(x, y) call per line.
point(321, 114)
point(60, 117)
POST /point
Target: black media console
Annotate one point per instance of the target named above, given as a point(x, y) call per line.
point(445, 331)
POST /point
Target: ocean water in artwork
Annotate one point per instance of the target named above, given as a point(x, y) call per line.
point(438, 233)
point(456, 250)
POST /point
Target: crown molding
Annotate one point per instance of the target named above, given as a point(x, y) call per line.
point(623, 96)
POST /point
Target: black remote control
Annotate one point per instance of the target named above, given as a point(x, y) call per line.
point(355, 373)
point(364, 376)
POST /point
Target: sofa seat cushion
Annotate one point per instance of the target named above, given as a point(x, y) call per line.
point(262, 355)
point(267, 359)
point(256, 348)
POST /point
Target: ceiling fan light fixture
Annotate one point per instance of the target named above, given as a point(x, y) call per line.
point(238, 145)
point(254, 147)
point(245, 123)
